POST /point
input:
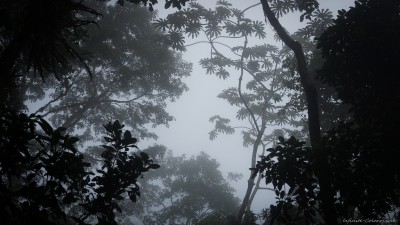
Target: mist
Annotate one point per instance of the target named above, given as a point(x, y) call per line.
point(199, 112)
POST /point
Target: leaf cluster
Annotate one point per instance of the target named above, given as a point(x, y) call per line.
point(213, 23)
point(168, 3)
point(282, 7)
point(289, 165)
point(45, 33)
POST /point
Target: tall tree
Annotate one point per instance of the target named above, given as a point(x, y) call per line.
point(255, 63)
point(270, 77)
point(134, 75)
point(364, 174)
point(320, 156)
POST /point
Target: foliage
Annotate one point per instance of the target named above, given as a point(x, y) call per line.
point(183, 191)
point(272, 96)
point(168, 3)
point(358, 49)
point(38, 36)
point(45, 179)
point(354, 64)
point(41, 32)
point(249, 218)
point(217, 218)
point(134, 75)
point(289, 166)
point(363, 171)
point(281, 8)
point(262, 96)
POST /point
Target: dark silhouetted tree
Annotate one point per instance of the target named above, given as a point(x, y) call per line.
point(360, 52)
point(45, 179)
point(361, 149)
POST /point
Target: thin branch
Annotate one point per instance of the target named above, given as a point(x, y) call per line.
point(252, 6)
point(266, 188)
point(197, 42)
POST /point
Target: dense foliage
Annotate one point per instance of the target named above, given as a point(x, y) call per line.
point(361, 154)
point(46, 180)
point(360, 52)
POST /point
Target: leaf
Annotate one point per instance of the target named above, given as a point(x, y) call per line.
point(71, 141)
point(144, 156)
point(154, 166)
point(46, 126)
point(167, 4)
point(108, 139)
point(30, 177)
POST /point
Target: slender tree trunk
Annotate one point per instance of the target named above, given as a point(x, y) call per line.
point(253, 175)
point(321, 163)
point(254, 192)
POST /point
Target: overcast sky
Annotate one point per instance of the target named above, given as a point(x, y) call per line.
point(189, 133)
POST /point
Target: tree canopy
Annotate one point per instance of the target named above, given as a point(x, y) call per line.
point(134, 75)
point(185, 190)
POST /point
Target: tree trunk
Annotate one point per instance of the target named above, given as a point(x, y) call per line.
point(250, 182)
point(321, 163)
point(253, 194)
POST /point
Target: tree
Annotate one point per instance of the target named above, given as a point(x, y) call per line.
point(183, 191)
point(270, 76)
point(320, 156)
point(45, 179)
point(258, 62)
point(44, 36)
point(134, 74)
point(360, 51)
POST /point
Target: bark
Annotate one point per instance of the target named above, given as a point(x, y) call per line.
point(321, 164)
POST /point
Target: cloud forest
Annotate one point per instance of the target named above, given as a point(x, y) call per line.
point(309, 91)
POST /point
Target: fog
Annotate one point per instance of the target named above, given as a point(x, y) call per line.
point(217, 113)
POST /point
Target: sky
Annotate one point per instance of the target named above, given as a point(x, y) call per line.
point(188, 134)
